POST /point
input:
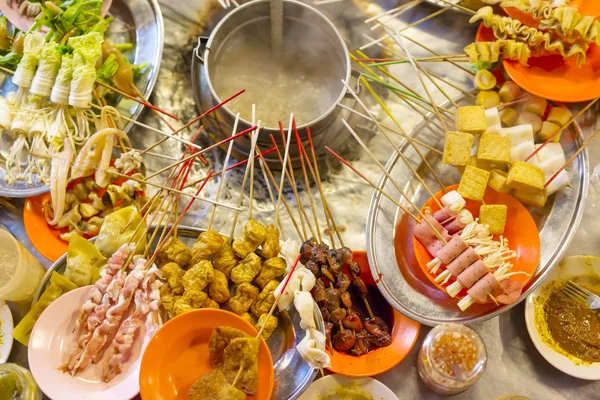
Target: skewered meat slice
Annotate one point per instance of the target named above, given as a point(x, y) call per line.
point(462, 262)
point(360, 287)
point(327, 274)
point(361, 344)
point(306, 250)
point(381, 339)
point(346, 299)
point(332, 298)
point(334, 265)
point(313, 267)
point(346, 254)
point(375, 325)
point(343, 282)
point(319, 291)
point(344, 340)
point(424, 234)
point(352, 321)
point(337, 316)
point(325, 313)
point(452, 250)
point(320, 253)
point(484, 287)
point(354, 269)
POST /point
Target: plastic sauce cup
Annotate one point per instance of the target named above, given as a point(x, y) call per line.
point(20, 271)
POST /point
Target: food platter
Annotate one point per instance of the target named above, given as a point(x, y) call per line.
point(147, 33)
point(6, 327)
point(329, 388)
point(569, 268)
point(404, 285)
point(292, 373)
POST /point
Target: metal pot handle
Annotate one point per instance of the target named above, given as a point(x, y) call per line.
point(200, 47)
point(355, 80)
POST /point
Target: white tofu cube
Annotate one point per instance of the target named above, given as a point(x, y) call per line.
point(561, 180)
point(493, 117)
point(518, 134)
point(551, 165)
point(454, 200)
point(549, 151)
point(521, 151)
point(493, 130)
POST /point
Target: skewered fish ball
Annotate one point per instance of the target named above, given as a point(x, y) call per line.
point(174, 251)
point(508, 116)
point(243, 299)
point(224, 260)
point(208, 243)
point(530, 118)
point(270, 326)
point(218, 289)
point(536, 105)
point(265, 299)
point(484, 80)
point(272, 268)
point(254, 235)
point(509, 91)
point(271, 246)
point(344, 340)
point(352, 321)
point(246, 270)
point(488, 99)
point(173, 274)
point(199, 276)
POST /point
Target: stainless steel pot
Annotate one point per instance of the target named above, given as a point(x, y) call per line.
point(325, 129)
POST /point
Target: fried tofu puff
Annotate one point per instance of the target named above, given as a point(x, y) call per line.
point(218, 289)
point(271, 246)
point(246, 270)
point(174, 251)
point(214, 386)
point(220, 338)
point(199, 276)
point(208, 244)
point(210, 303)
point(224, 260)
point(173, 274)
point(243, 299)
point(272, 268)
point(254, 235)
point(242, 352)
point(192, 299)
point(269, 328)
point(265, 299)
point(248, 318)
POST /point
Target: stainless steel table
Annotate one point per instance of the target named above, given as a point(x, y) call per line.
point(514, 365)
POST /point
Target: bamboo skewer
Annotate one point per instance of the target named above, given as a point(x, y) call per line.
point(579, 150)
point(399, 11)
point(396, 148)
point(438, 54)
point(307, 183)
point(458, 6)
point(380, 62)
point(251, 157)
point(373, 185)
point(225, 162)
point(558, 132)
point(287, 150)
point(393, 181)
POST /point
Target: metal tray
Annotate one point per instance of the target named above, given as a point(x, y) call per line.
point(401, 280)
point(443, 5)
point(143, 25)
point(292, 374)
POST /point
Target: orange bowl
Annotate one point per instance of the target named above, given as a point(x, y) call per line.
point(521, 232)
point(177, 355)
point(43, 237)
point(551, 77)
point(405, 332)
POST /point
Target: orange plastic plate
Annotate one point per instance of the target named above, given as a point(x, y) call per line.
point(43, 237)
point(521, 232)
point(551, 77)
point(405, 332)
point(177, 355)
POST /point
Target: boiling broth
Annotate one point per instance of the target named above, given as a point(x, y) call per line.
point(305, 81)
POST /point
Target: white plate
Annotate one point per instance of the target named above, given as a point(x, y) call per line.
point(328, 385)
point(52, 340)
point(6, 327)
point(568, 268)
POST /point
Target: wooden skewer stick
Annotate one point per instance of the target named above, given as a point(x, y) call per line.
point(373, 185)
point(558, 132)
point(380, 62)
point(281, 181)
point(579, 150)
point(413, 24)
point(251, 161)
point(396, 148)
point(521, 99)
point(400, 10)
point(328, 212)
point(389, 176)
point(436, 53)
point(418, 71)
point(287, 280)
point(202, 151)
point(307, 183)
point(456, 5)
point(225, 162)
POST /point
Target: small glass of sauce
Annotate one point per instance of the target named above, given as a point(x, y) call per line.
point(452, 358)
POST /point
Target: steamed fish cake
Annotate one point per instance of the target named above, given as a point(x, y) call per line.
point(214, 386)
point(220, 338)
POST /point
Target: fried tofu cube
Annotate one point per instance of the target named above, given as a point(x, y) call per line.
point(471, 119)
point(531, 199)
point(457, 148)
point(497, 181)
point(525, 178)
point(473, 183)
point(493, 215)
point(494, 148)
